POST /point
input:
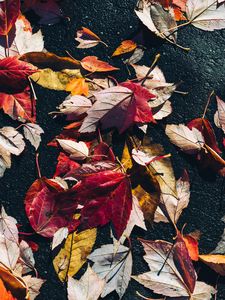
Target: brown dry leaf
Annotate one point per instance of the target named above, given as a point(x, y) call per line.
point(50, 79)
point(45, 60)
point(74, 254)
point(77, 86)
point(125, 47)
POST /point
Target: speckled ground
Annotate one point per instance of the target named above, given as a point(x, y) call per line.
point(202, 70)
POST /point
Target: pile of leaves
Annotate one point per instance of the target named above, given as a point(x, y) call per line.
point(93, 186)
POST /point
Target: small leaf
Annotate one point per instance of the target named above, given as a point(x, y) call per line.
point(77, 86)
point(93, 64)
point(125, 47)
point(32, 133)
point(87, 38)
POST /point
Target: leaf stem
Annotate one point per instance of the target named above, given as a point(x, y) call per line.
point(157, 57)
point(207, 104)
point(38, 166)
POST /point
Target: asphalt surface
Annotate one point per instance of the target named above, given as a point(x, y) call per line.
point(201, 70)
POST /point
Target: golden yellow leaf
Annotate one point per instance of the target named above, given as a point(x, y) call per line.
point(74, 253)
point(55, 80)
point(215, 262)
point(77, 86)
point(144, 186)
point(125, 47)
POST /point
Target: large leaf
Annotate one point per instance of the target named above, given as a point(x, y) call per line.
point(120, 107)
point(115, 268)
point(9, 11)
point(47, 209)
point(168, 280)
point(14, 74)
point(206, 14)
point(74, 253)
point(106, 197)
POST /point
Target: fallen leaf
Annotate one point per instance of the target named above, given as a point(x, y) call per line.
point(74, 107)
point(11, 140)
point(115, 268)
point(48, 60)
point(32, 133)
point(93, 64)
point(49, 209)
point(77, 86)
point(136, 56)
point(125, 47)
point(168, 279)
point(119, 107)
point(76, 150)
point(26, 258)
point(87, 38)
point(55, 80)
point(20, 106)
point(74, 253)
point(9, 11)
point(65, 165)
point(206, 15)
point(171, 207)
point(5, 295)
point(14, 74)
point(90, 286)
point(221, 113)
point(108, 201)
point(33, 284)
point(189, 141)
point(156, 19)
point(22, 40)
point(191, 242)
point(215, 262)
point(59, 236)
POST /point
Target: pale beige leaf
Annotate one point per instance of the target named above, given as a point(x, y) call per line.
point(59, 236)
point(11, 140)
point(89, 287)
point(189, 141)
point(32, 133)
point(33, 284)
point(206, 14)
point(76, 150)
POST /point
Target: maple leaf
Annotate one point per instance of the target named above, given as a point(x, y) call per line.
point(93, 64)
point(125, 47)
point(14, 74)
point(74, 253)
point(33, 284)
point(109, 200)
point(20, 106)
point(119, 107)
point(115, 268)
point(170, 280)
point(22, 40)
point(77, 86)
point(76, 150)
point(26, 259)
point(9, 11)
point(90, 286)
point(32, 133)
point(87, 38)
point(49, 209)
point(206, 15)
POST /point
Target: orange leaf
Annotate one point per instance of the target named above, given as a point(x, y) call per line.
point(93, 64)
point(77, 86)
point(192, 246)
point(215, 261)
point(88, 32)
point(5, 295)
point(125, 47)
